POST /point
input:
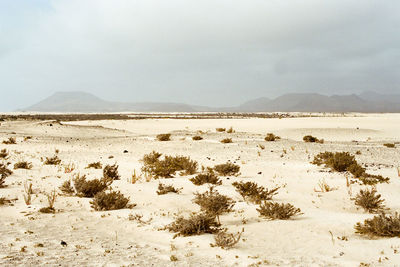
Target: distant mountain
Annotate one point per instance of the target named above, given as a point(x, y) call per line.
point(302, 102)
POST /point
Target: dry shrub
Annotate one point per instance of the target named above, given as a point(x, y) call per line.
point(197, 138)
point(312, 139)
point(230, 130)
point(271, 137)
point(165, 189)
point(220, 130)
point(381, 225)
point(168, 166)
point(4, 173)
point(10, 141)
point(51, 199)
point(4, 201)
point(252, 192)
point(110, 172)
point(89, 188)
point(196, 224)
point(28, 191)
point(164, 137)
point(213, 203)
point(226, 141)
point(52, 161)
point(26, 138)
point(208, 177)
point(109, 201)
point(67, 188)
point(3, 154)
point(276, 211)
point(369, 200)
point(23, 165)
point(226, 169)
point(389, 145)
point(95, 165)
point(324, 187)
point(226, 240)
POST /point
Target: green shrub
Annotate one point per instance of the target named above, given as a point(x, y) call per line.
point(312, 139)
point(213, 203)
point(110, 172)
point(196, 224)
point(226, 141)
point(89, 188)
point(389, 145)
point(197, 138)
point(252, 192)
point(226, 169)
point(109, 201)
point(168, 166)
point(369, 200)
point(381, 225)
point(271, 137)
point(276, 211)
point(165, 189)
point(94, 165)
point(208, 177)
point(4, 173)
point(52, 161)
point(3, 154)
point(23, 165)
point(10, 141)
point(164, 137)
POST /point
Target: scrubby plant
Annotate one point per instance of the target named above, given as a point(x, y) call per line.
point(230, 130)
point(382, 225)
point(226, 141)
point(369, 200)
point(10, 141)
point(67, 188)
point(220, 130)
point(312, 139)
point(51, 199)
point(226, 169)
point(390, 145)
point(110, 172)
point(4, 201)
point(165, 189)
point(23, 165)
point(89, 188)
point(207, 177)
point(94, 165)
point(197, 138)
point(271, 137)
point(324, 187)
point(163, 137)
point(111, 200)
point(196, 224)
point(3, 154)
point(226, 240)
point(28, 191)
point(276, 211)
point(252, 192)
point(4, 173)
point(52, 161)
point(213, 203)
point(26, 138)
point(168, 166)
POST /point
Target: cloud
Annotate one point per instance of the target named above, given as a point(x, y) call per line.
point(198, 51)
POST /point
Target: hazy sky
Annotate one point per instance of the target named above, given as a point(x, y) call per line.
point(207, 52)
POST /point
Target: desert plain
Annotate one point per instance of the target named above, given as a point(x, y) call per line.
point(323, 234)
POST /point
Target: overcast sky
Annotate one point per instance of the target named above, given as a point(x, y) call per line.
point(206, 52)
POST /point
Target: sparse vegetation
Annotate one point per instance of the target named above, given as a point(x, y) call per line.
point(109, 201)
point(213, 203)
point(52, 161)
point(164, 137)
point(271, 137)
point(165, 189)
point(89, 188)
point(3, 154)
point(226, 141)
point(168, 166)
point(51, 199)
point(369, 200)
point(226, 240)
point(23, 165)
point(197, 138)
point(382, 225)
point(10, 141)
point(208, 177)
point(312, 139)
point(4, 173)
point(94, 165)
point(252, 192)
point(230, 130)
point(110, 172)
point(4, 201)
point(226, 169)
point(196, 224)
point(324, 187)
point(389, 145)
point(276, 211)
point(28, 191)
point(67, 188)
point(220, 130)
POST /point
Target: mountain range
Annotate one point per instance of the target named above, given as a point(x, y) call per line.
point(301, 102)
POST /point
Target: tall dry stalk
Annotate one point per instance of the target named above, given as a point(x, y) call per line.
point(28, 193)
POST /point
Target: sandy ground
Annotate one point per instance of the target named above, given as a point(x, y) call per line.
point(111, 239)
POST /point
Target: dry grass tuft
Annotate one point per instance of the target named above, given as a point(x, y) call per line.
point(276, 211)
point(94, 165)
point(89, 188)
point(23, 165)
point(110, 172)
point(67, 188)
point(52, 161)
point(220, 130)
point(10, 141)
point(196, 224)
point(4, 173)
point(165, 189)
point(382, 225)
point(226, 141)
point(109, 201)
point(324, 187)
point(312, 139)
point(390, 145)
point(51, 199)
point(226, 240)
point(226, 169)
point(164, 137)
point(271, 137)
point(197, 138)
point(370, 201)
point(208, 177)
point(3, 154)
point(252, 192)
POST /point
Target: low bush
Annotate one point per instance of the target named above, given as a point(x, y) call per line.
point(165, 189)
point(369, 200)
point(109, 201)
point(94, 165)
point(276, 211)
point(52, 161)
point(4, 173)
point(382, 225)
point(226, 169)
point(389, 145)
point(208, 177)
point(230, 130)
point(164, 137)
point(312, 139)
point(196, 224)
point(213, 203)
point(226, 240)
point(4, 201)
point(168, 166)
point(197, 138)
point(51, 199)
point(89, 188)
point(3, 154)
point(110, 172)
point(220, 130)
point(271, 137)
point(67, 188)
point(252, 192)
point(23, 165)
point(226, 141)
point(10, 141)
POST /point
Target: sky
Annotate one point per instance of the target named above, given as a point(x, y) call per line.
point(208, 52)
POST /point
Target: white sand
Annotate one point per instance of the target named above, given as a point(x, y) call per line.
point(111, 239)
